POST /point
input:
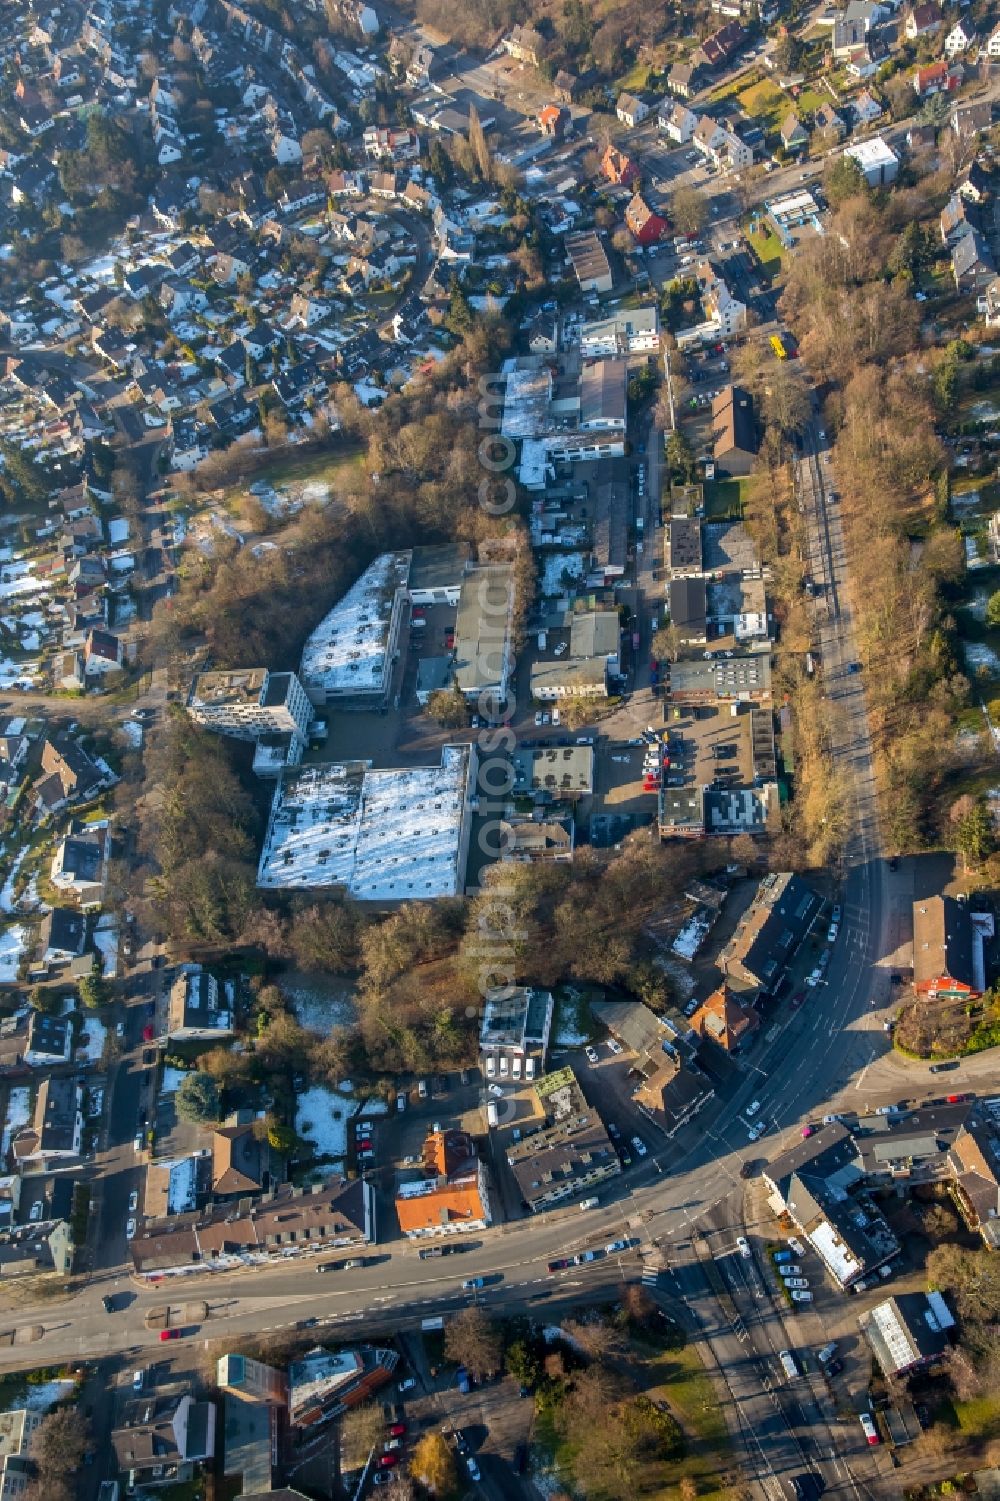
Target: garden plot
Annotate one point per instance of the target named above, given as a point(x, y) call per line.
point(13, 943)
point(556, 567)
point(321, 1118)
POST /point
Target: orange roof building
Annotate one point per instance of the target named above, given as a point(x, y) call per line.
point(618, 167)
point(723, 1020)
point(452, 1198)
point(553, 120)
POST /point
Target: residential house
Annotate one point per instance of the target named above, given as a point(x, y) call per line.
point(794, 136)
point(734, 431)
point(565, 86)
point(972, 119)
point(941, 77)
point(877, 161)
point(452, 1198)
point(683, 79)
point(553, 121)
point(958, 218)
point(49, 1040)
point(960, 38)
point(69, 774)
point(827, 121)
point(972, 263)
point(812, 1182)
point(724, 1020)
point(162, 1437)
point(323, 1384)
point(569, 1153)
point(992, 48)
point(80, 863)
point(618, 167)
point(288, 1221)
point(908, 1332)
point(102, 654)
point(196, 1012)
point(974, 183)
point(678, 121)
point(722, 46)
point(525, 44)
point(974, 1160)
point(686, 599)
point(672, 1089)
point(631, 110)
point(866, 107)
point(56, 1129)
point(922, 20)
point(242, 1159)
point(62, 935)
point(17, 1468)
point(769, 933)
point(646, 227)
point(988, 308)
point(948, 941)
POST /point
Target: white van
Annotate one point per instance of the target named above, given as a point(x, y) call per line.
point(515, 1068)
point(401, 1102)
point(491, 1066)
point(529, 1068)
point(589, 1203)
point(504, 1065)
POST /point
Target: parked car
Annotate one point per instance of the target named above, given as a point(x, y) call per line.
point(408, 1384)
point(396, 1430)
point(796, 1246)
point(798, 1296)
point(471, 1284)
point(591, 1054)
point(133, 1201)
point(789, 1269)
point(472, 1467)
point(781, 1256)
point(640, 1146)
point(752, 1109)
point(130, 1228)
point(166, 1334)
point(743, 1246)
point(869, 1429)
point(614, 1246)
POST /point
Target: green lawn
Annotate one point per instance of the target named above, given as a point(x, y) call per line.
point(809, 101)
point(767, 248)
point(979, 1418)
point(724, 499)
point(766, 102)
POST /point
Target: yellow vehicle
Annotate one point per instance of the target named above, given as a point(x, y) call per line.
point(777, 344)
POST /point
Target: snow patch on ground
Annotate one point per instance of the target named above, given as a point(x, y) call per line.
point(556, 564)
point(978, 654)
point(553, 1335)
point(47, 1394)
point(132, 731)
point(572, 1016)
point(7, 894)
point(106, 944)
point(13, 942)
point(318, 1007)
point(18, 1114)
point(93, 1038)
point(977, 604)
point(321, 1117)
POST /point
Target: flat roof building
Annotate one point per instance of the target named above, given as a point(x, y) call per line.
point(383, 836)
point(624, 331)
point(349, 656)
point(877, 160)
point(270, 708)
point(517, 1021)
point(603, 396)
point(561, 770)
point(483, 628)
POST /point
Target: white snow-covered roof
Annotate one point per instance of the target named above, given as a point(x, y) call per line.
point(347, 651)
point(393, 835)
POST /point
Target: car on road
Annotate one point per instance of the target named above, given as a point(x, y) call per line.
point(584, 1258)
point(869, 1429)
point(471, 1284)
point(472, 1467)
point(808, 1130)
point(944, 1068)
point(591, 1054)
point(752, 1109)
point(613, 1130)
point(133, 1201)
point(166, 1334)
point(743, 1246)
point(831, 932)
point(408, 1384)
point(614, 1047)
point(756, 1132)
point(137, 1378)
point(797, 999)
point(800, 1296)
point(640, 1146)
point(388, 1460)
point(560, 1264)
point(130, 1229)
point(138, 1141)
point(396, 1430)
point(392, 1444)
point(835, 915)
point(614, 1246)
